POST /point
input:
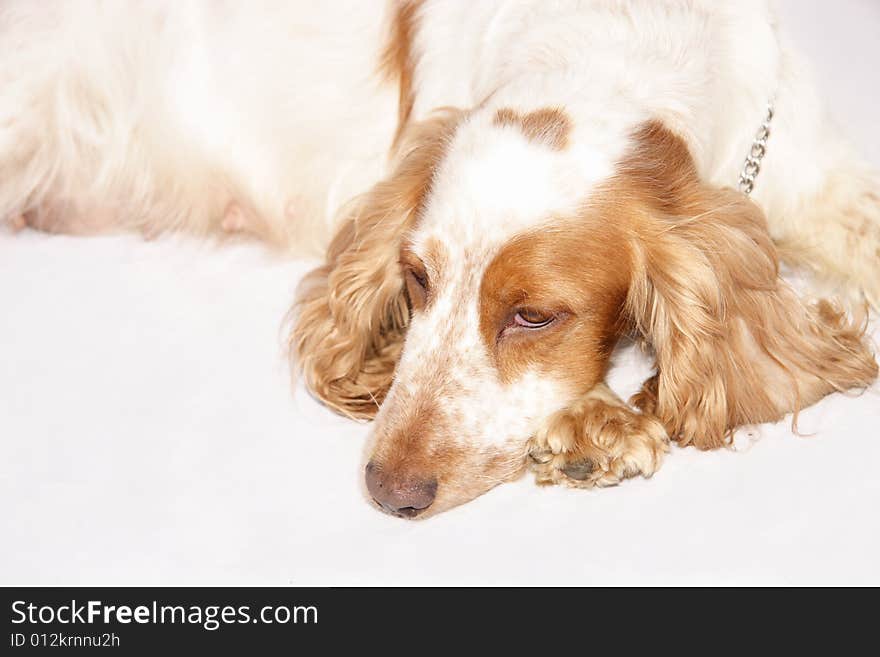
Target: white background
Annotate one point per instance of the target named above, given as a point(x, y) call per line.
point(149, 435)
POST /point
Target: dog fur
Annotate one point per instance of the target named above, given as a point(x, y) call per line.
point(506, 189)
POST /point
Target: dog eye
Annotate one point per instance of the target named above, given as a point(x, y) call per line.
point(416, 288)
point(532, 319)
point(419, 277)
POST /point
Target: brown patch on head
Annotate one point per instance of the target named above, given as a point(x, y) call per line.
point(576, 273)
point(692, 268)
point(398, 61)
point(549, 126)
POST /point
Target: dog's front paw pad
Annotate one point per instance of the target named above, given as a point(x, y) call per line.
point(579, 470)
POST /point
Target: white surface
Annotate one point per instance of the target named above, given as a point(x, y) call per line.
point(149, 436)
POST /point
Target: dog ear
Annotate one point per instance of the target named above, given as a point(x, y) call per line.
point(734, 343)
point(351, 314)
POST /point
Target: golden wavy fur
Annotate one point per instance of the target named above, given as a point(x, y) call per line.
point(734, 343)
point(351, 314)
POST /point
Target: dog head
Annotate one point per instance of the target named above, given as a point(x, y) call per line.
point(483, 286)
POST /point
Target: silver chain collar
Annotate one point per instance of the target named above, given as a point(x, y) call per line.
point(752, 165)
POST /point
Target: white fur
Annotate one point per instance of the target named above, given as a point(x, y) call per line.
point(167, 110)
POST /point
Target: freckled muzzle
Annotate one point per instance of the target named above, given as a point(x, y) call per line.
point(401, 495)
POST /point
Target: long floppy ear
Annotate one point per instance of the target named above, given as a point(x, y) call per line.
point(350, 315)
point(734, 343)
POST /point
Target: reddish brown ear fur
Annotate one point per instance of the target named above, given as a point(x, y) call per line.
point(350, 315)
point(734, 343)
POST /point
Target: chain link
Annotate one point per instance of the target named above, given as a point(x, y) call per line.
point(752, 165)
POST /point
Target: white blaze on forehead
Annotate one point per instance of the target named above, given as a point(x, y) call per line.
point(494, 182)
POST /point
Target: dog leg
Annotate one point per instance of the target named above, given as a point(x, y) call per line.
point(597, 441)
point(63, 218)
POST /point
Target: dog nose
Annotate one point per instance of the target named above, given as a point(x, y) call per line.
point(404, 496)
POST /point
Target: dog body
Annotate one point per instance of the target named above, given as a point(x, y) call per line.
point(511, 186)
point(209, 117)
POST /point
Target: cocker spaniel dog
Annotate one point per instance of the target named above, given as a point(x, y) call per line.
point(510, 186)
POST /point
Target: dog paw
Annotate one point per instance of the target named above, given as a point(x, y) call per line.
point(597, 442)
